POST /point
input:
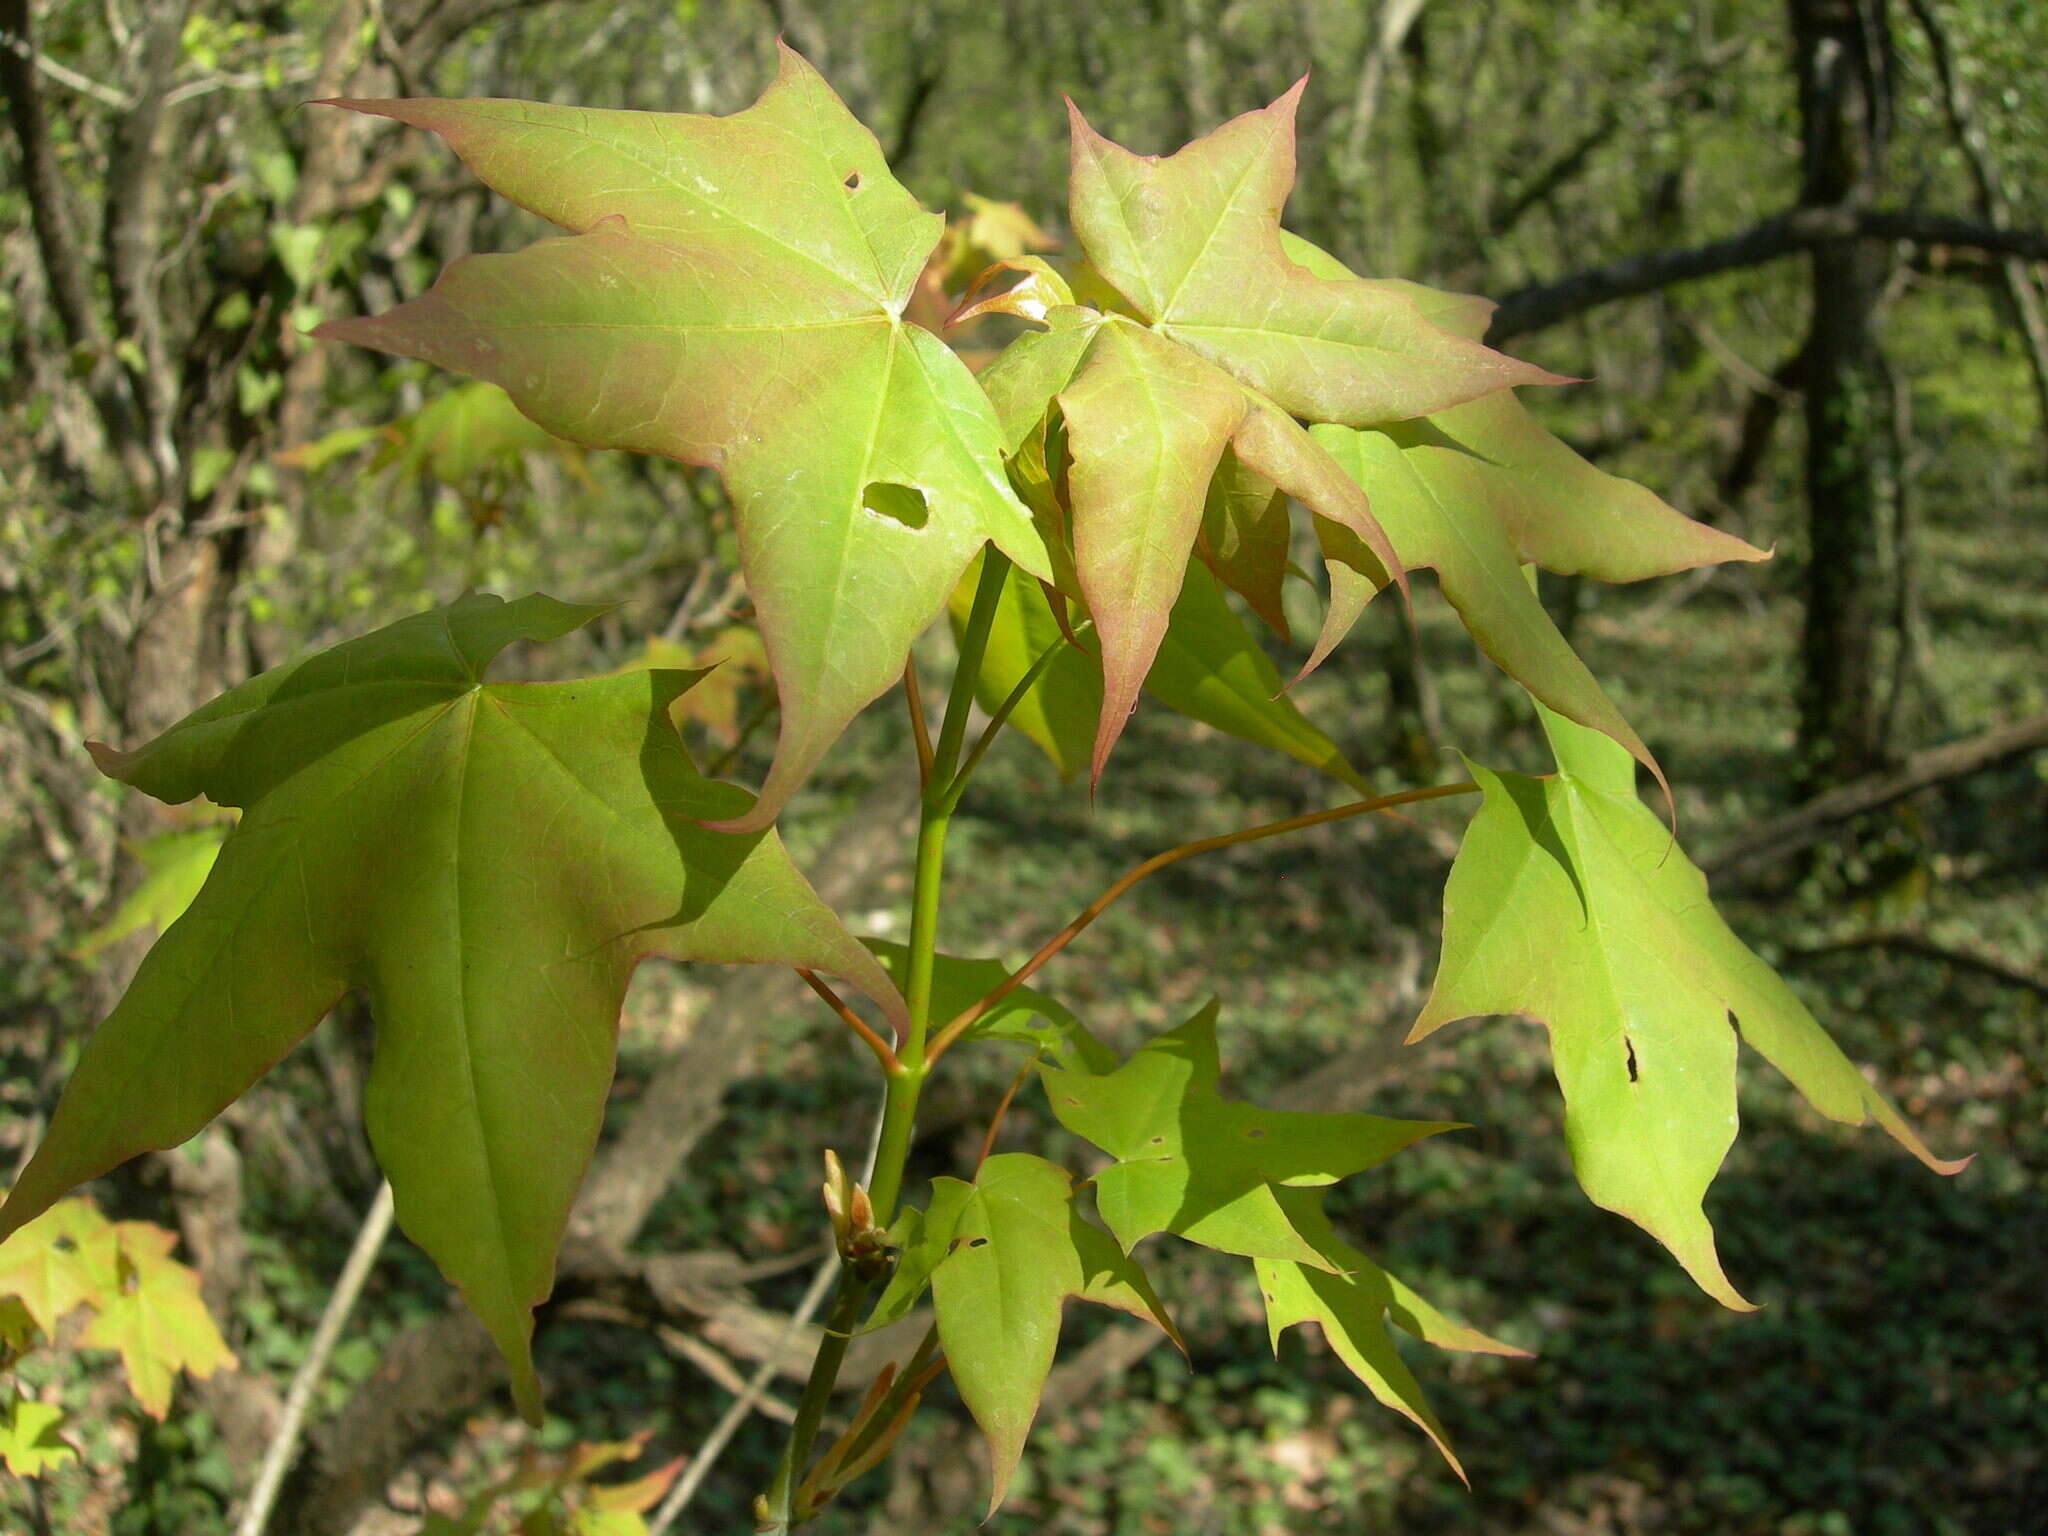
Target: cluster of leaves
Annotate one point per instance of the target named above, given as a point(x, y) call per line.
point(143, 1305)
point(488, 861)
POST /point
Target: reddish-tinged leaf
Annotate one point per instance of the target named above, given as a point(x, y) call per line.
point(1245, 538)
point(732, 296)
point(488, 862)
point(1146, 424)
point(1192, 241)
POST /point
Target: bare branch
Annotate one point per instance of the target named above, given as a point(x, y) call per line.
point(134, 211)
point(1784, 234)
point(1785, 835)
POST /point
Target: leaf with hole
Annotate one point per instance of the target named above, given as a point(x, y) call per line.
point(732, 295)
point(1571, 905)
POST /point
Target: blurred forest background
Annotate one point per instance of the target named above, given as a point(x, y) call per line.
point(1797, 249)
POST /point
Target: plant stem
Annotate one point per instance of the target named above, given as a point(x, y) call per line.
point(1159, 861)
point(906, 1077)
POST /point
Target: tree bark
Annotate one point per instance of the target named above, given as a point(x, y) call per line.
point(1840, 52)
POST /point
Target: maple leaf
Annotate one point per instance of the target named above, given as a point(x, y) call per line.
point(154, 1318)
point(1205, 1168)
point(1192, 242)
point(732, 295)
point(489, 862)
point(1002, 1255)
point(1569, 904)
point(51, 1264)
point(1212, 341)
point(29, 1442)
point(1353, 1300)
point(175, 865)
point(1475, 490)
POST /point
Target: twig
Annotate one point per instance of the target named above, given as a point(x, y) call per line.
point(1908, 942)
point(736, 1413)
point(1159, 861)
point(884, 1052)
point(105, 95)
point(920, 730)
point(277, 1457)
point(995, 1121)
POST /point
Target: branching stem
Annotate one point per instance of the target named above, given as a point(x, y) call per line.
point(1159, 861)
point(884, 1053)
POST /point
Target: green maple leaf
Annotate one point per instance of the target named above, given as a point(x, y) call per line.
point(175, 866)
point(154, 1318)
point(1208, 1169)
point(1353, 1300)
point(1569, 904)
point(54, 1263)
point(1208, 668)
point(732, 295)
point(1002, 1256)
point(489, 862)
point(1475, 490)
point(29, 1442)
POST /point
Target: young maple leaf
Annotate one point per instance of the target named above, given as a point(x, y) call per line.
point(1214, 342)
point(488, 862)
point(732, 295)
point(153, 1317)
point(1570, 905)
point(1002, 1256)
point(1212, 1171)
point(1353, 1300)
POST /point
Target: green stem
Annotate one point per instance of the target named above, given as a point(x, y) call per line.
point(906, 1080)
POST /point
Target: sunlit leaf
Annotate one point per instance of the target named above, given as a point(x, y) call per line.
point(175, 866)
point(732, 295)
point(1003, 1255)
point(1209, 1169)
point(1570, 904)
point(154, 1318)
point(1192, 241)
point(29, 1442)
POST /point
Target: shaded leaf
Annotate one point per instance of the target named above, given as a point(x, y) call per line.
point(1207, 1169)
point(1570, 904)
point(1353, 1300)
point(1024, 1017)
point(1208, 668)
point(732, 296)
point(489, 862)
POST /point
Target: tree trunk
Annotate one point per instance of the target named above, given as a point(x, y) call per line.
point(1841, 52)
